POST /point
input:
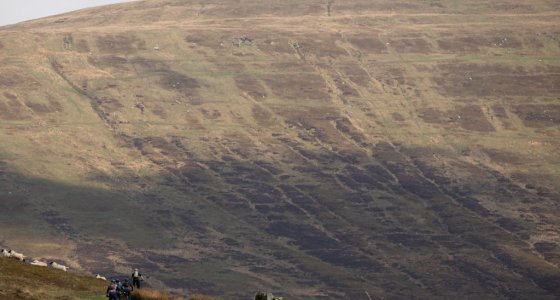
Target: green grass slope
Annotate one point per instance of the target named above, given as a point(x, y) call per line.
point(24, 281)
point(316, 149)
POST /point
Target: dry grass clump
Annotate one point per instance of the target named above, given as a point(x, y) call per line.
point(150, 294)
point(200, 297)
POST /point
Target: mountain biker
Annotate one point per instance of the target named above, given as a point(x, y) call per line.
point(126, 289)
point(112, 291)
point(119, 289)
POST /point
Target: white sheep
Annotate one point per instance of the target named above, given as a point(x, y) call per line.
point(58, 266)
point(5, 253)
point(38, 263)
point(100, 277)
point(16, 255)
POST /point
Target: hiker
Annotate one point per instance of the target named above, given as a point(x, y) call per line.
point(126, 289)
point(136, 277)
point(112, 291)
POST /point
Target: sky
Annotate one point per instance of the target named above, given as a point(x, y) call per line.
point(14, 11)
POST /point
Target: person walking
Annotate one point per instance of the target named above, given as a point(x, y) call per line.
point(136, 277)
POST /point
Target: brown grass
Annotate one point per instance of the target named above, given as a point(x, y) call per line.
point(200, 297)
point(150, 294)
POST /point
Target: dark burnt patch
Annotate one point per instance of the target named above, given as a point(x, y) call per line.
point(12, 78)
point(298, 86)
point(379, 173)
point(471, 117)
point(38, 107)
point(433, 116)
point(58, 222)
point(82, 46)
point(432, 173)
point(303, 235)
point(417, 185)
point(368, 44)
point(412, 241)
point(348, 182)
point(262, 116)
point(110, 62)
point(363, 178)
point(167, 260)
point(251, 86)
point(544, 279)
point(473, 205)
point(410, 45)
point(482, 276)
point(550, 251)
point(345, 126)
point(474, 80)
point(468, 117)
point(91, 254)
point(10, 96)
point(301, 199)
point(269, 167)
point(385, 152)
point(508, 42)
point(159, 111)
point(193, 285)
point(347, 258)
point(181, 83)
point(499, 111)
point(213, 114)
point(108, 105)
point(149, 64)
point(463, 43)
point(345, 87)
point(503, 157)
point(42, 108)
point(398, 117)
point(356, 74)
point(319, 46)
point(171, 148)
point(538, 116)
point(511, 224)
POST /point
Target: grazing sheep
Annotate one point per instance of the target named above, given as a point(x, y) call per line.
point(58, 266)
point(38, 263)
point(5, 253)
point(100, 277)
point(16, 255)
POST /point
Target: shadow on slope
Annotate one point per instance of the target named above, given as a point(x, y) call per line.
point(392, 224)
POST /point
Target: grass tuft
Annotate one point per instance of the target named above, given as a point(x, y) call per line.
point(150, 294)
point(200, 297)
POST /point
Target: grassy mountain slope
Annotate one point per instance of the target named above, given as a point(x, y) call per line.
point(23, 281)
point(319, 149)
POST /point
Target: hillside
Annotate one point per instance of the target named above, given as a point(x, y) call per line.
point(23, 281)
point(316, 149)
